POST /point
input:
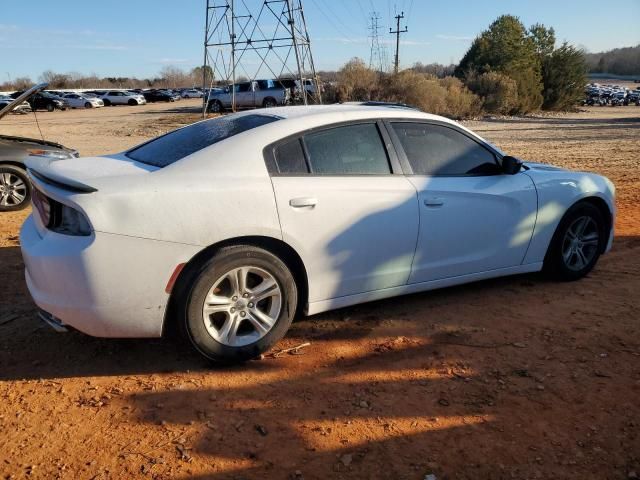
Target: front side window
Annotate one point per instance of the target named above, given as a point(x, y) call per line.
point(181, 143)
point(436, 150)
point(347, 150)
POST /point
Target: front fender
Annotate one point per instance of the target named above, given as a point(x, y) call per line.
point(558, 190)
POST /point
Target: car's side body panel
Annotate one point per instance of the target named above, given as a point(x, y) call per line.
point(358, 236)
point(472, 224)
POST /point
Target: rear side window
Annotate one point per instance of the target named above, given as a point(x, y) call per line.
point(181, 143)
point(348, 150)
point(435, 150)
point(290, 158)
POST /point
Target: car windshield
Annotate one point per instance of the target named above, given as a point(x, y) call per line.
point(176, 145)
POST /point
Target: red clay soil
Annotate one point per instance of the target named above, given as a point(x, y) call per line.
point(513, 378)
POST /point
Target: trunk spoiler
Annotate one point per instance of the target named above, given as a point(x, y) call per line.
point(64, 183)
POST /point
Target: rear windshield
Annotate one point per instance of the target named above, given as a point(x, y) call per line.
point(181, 143)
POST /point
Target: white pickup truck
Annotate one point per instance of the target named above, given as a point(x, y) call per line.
point(254, 94)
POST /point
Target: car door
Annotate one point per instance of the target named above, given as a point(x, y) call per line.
point(345, 207)
point(473, 217)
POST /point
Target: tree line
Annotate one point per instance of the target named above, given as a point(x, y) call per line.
point(619, 61)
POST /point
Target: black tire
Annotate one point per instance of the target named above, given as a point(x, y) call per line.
point(216, 107)
point(107, 103)
point(269, 102)
point(13, 172)
point(132, 102)
point(88, 105)
point(555, 264)
point(225, 260)
point(50, 107)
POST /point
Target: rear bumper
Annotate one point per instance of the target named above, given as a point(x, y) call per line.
point(104, 285)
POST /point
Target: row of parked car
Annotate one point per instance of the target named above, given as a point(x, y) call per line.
point(51, 100)
point(614, 95)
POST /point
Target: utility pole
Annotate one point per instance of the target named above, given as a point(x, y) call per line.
point(397, 33)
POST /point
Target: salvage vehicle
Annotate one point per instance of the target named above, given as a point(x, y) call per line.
point(258, 93)
point(117, 97)
point(15, 188)
point(225, 229)
point(43, 101)
point(79, 100)
point(23, 108)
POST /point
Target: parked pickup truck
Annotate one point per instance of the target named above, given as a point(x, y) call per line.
point(254, 94)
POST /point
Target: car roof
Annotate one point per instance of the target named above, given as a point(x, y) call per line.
point(318, 115)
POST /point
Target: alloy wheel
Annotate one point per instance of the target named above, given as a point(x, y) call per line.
point(580, 244)
point(242, 306)
point(13, 190)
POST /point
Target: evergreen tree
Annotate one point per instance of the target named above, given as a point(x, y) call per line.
point(507, 47)
point(564, 75)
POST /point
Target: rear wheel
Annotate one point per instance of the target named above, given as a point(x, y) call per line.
point(216, 107)
point(269, 103)
point(15, 190)
point(242, 302)
point(577, 243)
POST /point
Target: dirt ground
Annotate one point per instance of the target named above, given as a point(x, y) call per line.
point(513, 378)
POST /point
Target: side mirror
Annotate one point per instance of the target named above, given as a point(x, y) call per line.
point(511, 165)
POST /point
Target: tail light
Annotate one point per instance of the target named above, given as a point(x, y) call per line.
point(60, 218)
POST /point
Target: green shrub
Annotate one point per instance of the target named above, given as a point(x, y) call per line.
point(499, 93)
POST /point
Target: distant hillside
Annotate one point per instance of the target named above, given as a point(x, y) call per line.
point(620, 61)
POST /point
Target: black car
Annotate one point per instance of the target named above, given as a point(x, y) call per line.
point(158, 96)
point(15, 187)
point(43, 101)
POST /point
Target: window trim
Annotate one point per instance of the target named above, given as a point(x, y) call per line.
point(406, 164)
point(269, 152)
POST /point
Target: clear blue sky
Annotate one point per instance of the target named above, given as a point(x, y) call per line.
point(137, 38)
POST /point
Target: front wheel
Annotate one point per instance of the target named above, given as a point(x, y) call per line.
point(242, 302)
point(107, 102)
point(88, 105)
point(15, 190)
point(132, 102)
point(50, 107)
point(577, 243)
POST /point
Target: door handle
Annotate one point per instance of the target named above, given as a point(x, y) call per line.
point(303, 202)
point(434, 202)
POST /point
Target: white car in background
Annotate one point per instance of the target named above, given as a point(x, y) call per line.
point(226, 228)
point(78, 100)
point(192, 93)
point(118, 97)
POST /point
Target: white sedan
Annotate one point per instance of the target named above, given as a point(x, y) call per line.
point(118, 97)
point(191, 93)
point(77, 100)
point(225, 229)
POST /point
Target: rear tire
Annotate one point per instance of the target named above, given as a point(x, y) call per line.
point(216, 107)
point(15, 188)
point(577, 243)
point(269, 102)
point(227, 316)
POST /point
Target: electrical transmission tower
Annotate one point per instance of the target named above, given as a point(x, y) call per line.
point(258, 39)
point(378, 57)
point(397, 33)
